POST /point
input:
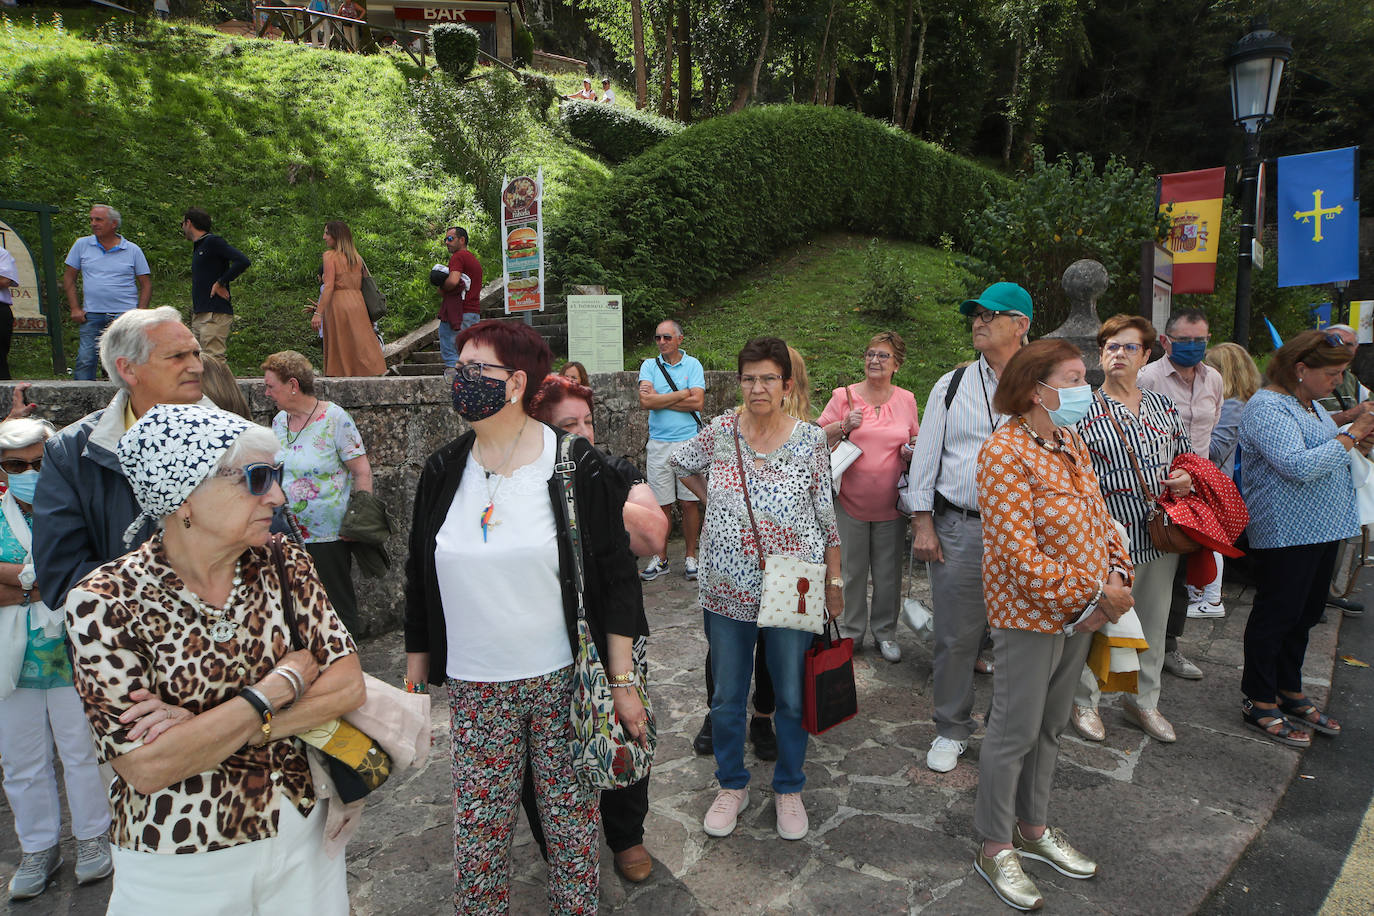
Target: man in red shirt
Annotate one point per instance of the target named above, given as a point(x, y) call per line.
point(462, 291)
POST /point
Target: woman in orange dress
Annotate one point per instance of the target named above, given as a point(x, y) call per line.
point(351, 346)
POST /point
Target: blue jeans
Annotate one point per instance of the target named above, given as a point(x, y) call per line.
point(448, 344)
point(732, 665)
point(88, 351)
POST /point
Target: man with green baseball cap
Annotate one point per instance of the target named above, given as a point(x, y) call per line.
point(942, 498)
point(1000, 297)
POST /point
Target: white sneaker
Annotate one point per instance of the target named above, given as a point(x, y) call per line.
point(1203, 609)
point(689, 568)
point(944, 753)
point(890, 650)
point(657, 567)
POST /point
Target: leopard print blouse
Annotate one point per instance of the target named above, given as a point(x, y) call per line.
point(133, 623)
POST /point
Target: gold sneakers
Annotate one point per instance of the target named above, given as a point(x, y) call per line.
point(1054, 850)
point(1150, 721)
point(1003, 873)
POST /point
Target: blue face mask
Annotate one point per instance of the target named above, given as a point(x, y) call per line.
point(1187, 353)
point(1073, 404)
point(23, 484)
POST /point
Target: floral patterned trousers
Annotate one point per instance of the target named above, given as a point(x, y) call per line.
point(495, 728)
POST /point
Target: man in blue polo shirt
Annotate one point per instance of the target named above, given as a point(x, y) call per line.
point(672, 387)
point(114, 279)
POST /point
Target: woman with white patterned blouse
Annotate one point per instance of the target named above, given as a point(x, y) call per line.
point(1296, 482)
point(787, 465)
point(1054, 570)
point(184, 660)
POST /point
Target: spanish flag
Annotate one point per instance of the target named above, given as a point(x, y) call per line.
point(1195, 227)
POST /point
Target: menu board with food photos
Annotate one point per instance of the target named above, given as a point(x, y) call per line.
point(522, 242)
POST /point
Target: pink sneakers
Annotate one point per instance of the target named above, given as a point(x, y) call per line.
point(720, 820)
point(792, 822)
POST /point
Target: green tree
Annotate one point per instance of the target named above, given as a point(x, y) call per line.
point(474, 125)
point(1055, 214)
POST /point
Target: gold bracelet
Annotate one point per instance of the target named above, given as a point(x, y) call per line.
point(622, 680)
point(266, 727)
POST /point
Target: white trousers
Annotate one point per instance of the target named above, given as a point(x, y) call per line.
point(285, 874)
point(30, 722)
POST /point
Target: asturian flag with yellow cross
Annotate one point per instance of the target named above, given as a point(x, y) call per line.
point(1319, 218)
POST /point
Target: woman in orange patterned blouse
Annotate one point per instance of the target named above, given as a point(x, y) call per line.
point(1054, 570)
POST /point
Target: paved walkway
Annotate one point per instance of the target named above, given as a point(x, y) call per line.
point(1166, 822)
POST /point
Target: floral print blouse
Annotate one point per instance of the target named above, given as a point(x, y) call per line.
point(133, 623)
point(1048, 540)
point(792, 499)
point(316, 482)
point(45, 664)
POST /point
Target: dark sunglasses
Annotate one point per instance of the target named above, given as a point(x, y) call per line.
point(663, 337)
point(1330, 339)
point(449, 238)
point(19, 465)
point(258, 477)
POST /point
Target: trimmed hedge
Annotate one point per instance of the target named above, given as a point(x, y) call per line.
point(615, 133)
point(455, 48)
point(728, 193)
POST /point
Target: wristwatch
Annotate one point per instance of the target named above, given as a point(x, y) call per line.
point(27, 577)
point(835, 581)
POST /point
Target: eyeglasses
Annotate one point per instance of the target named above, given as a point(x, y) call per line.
point(471, 372)
point(450, 238)
point(1331, 339)
point(19, 465)
point(259, 477)
point(664, 336)
point(1190, 340)
point(1129, 349)
point(767, 381)
point(986, 315)
point(879, 355)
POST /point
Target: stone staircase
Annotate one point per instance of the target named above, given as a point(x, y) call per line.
point(417, 354)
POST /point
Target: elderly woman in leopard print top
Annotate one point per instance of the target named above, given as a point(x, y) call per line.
point(184, 661)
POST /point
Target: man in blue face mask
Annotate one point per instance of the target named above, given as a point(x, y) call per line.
point(1196, 390)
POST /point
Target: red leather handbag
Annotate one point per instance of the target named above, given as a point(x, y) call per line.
point(828, 693)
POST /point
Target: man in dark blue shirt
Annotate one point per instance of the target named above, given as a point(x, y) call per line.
point(214, 263)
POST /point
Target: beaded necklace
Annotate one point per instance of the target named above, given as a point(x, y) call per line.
point(1056, 446)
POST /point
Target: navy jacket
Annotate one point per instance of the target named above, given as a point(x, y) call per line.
point(213, 260)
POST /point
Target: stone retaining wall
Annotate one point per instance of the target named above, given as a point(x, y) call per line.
point(403, 421)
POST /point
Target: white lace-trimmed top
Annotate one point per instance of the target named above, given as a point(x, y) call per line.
point(503, 606)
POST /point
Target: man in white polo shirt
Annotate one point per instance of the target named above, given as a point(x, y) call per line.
point(114, 279)
point(672, 387)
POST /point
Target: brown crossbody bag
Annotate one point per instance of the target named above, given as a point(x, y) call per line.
point(1164, 534)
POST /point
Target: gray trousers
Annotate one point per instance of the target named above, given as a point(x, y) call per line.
point(870, 547)
point(956, 590)
point(1152, 590)
point(1032, 691)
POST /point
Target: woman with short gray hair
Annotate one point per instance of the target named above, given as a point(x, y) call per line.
point(38, 704)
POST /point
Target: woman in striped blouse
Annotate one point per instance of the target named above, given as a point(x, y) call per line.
point(1128, 428)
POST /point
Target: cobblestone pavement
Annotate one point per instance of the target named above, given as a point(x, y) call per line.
point(888, 836)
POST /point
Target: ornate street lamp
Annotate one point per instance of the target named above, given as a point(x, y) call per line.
point(1256, 64)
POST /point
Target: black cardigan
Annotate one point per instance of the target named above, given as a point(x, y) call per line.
point(614, 601)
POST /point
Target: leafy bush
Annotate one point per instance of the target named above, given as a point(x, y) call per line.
point(886, 284)
point(474, 125)
point(727, 193)
point(542, 91)
point(455, 48)
point(522, 47)
point(1057, 213)
point(615, 133)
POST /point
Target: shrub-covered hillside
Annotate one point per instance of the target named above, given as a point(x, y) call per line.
point(728, 193)
point(272, 138)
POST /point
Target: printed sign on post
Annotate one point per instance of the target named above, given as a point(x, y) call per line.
point(596, 333)
point(522, 242)
point(28, 305)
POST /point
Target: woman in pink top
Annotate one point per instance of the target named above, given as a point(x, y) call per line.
point(882, 420)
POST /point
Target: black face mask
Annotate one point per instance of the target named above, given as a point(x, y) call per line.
point(480, 399)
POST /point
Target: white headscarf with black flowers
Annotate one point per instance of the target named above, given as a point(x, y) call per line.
point(169, 451)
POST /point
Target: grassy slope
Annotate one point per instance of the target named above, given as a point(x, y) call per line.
point(185, 116)
point(807, 297)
